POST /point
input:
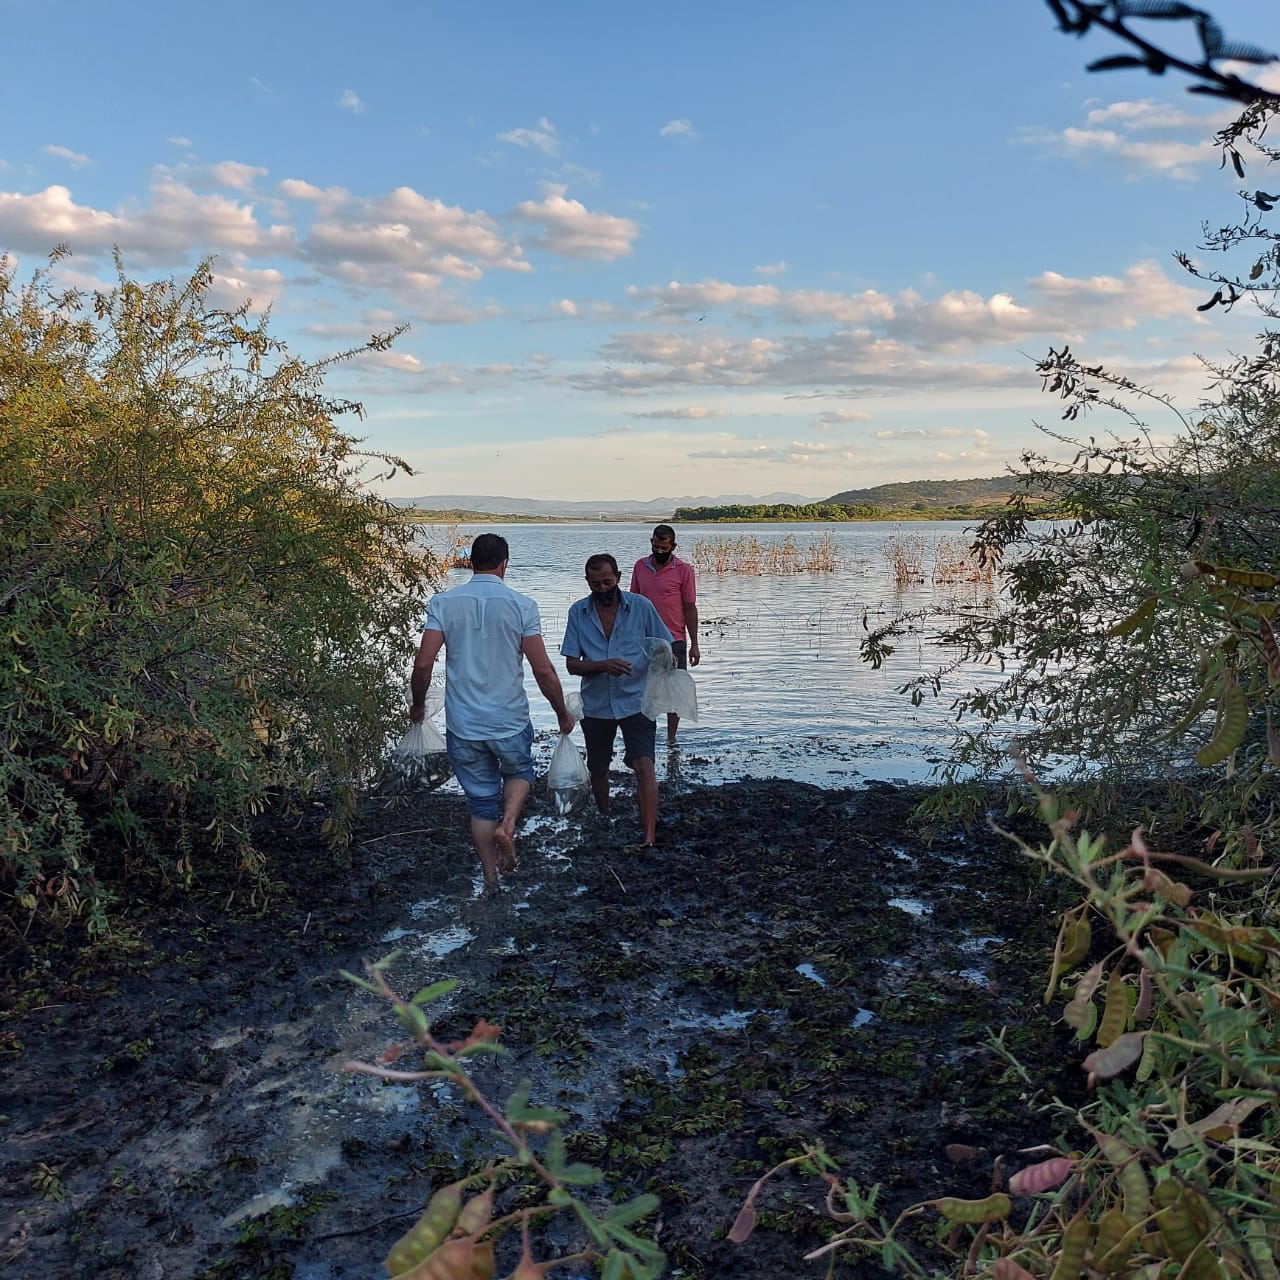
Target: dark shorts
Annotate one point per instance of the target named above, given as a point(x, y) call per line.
point(680, 651)
point(639, 735)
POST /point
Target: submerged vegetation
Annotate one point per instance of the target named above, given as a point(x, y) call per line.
point(750, 555)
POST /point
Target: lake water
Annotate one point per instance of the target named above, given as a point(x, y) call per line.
point(781, 689)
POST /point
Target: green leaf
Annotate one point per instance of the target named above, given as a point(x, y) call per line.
point(633, 1210)
point(581, 1175)
point(360, 982)
point(435, 991)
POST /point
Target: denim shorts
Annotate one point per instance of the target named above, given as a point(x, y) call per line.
point(638, 738)
point(481, 767)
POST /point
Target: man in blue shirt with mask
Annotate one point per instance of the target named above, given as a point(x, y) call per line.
point(606, 643)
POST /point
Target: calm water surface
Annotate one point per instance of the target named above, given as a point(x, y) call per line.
point(781, 690)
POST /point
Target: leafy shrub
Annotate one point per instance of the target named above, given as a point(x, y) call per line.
point(1172, 977)
point(201, 604)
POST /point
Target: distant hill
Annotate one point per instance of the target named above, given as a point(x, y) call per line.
point(920, 495)
point(555, 509)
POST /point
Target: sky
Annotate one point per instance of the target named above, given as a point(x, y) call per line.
point(648, 250)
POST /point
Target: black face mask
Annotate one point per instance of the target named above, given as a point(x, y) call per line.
point(607, 597)
point(661, 557)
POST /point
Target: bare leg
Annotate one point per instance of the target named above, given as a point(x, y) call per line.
point(600, 789)
point(673, 723)
point(647, 798)
point(482, 836)
point(515, 791)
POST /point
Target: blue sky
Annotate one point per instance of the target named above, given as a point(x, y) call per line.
point(659, 250)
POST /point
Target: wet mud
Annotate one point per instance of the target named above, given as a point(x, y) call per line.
point(790, 964)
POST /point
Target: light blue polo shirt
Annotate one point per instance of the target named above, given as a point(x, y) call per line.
point(607, 697)
point(484, 623)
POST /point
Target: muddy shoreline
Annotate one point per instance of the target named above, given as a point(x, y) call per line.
point(792, 963)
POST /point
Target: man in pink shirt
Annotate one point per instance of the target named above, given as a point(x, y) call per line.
point(667, 581)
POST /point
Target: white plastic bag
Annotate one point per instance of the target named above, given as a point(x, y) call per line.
point(567, 777)
point(418, 759)
point(666, 687)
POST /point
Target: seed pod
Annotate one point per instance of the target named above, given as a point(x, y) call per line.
point(1111, 1061)
point(476, 1214)
point(483, 1263)
point(425, 1234)
point(1233, 723)
point(1197, 708)
point(1146, 996)
point(1254, 579)
point(1150, 1059)
point(1076, 943)
point(1071, 946)
point(1130, 1177)
point(1259, 1249)
point(994, 1208)
point(1007, 1269)
point(1270, 650)
point(1113, 1227)
point(1076, 1013)
point(1037, 1178)
point(451, 1261)
point(1075, 1240)
point(1127, 626)
point(1178, 1232)
point(1115, 1012)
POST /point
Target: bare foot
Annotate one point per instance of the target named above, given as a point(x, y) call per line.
point(506, 849)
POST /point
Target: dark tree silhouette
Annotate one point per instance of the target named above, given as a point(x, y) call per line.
point(1076, 17)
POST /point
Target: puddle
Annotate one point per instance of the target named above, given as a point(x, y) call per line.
point(441, 943)
point(862, 1017)
point(912, 906)
point(807, 970)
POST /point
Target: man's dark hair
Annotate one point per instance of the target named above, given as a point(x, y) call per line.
point(664, 531)
point(488, 551)
point(599, 561)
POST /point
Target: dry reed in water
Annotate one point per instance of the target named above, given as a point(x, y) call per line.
point(904, 553)
point(954, 561)
point(747, 554)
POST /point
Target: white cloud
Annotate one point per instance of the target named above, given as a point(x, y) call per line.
point(567, 307)
point(352, 101)
point(297, 189)
point(695, 413)
point(231, 173)
point(542, 138)
point(771, 269)
point(178, 141)
point(571, 230)
point(678, 129)
point(177, 224)
point(1176, 159)
point(1149, 114)
point(75, 159)
point(234, 285)
point(833, 417)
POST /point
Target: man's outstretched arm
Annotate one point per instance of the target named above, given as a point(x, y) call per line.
point(535, 650)
point(423, 665)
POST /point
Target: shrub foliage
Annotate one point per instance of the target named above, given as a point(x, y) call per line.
point(202, 606)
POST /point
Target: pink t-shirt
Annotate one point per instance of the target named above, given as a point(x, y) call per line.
point(670, 588)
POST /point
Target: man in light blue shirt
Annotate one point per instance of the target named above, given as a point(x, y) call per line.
point(488, 630)
point(606, 643)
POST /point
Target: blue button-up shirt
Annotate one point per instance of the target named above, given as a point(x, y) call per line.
point(604, 696)
point(484, 624)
